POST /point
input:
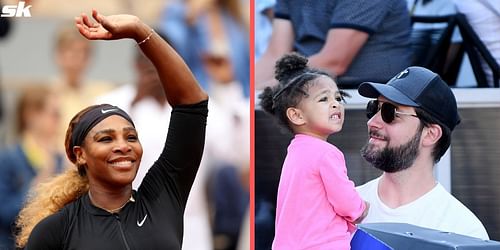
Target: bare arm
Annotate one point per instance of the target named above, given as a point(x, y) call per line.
point(178, 82)
point(341, 46)
point(364, 214)
point(281, 42)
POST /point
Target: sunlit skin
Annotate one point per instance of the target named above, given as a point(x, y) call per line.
point(112, 153)
point(321, 113)
point(400, 129)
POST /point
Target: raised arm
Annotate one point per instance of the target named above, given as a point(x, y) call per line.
point(178, 82)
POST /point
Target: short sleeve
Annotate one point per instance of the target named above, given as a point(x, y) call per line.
point(362, 15)
point(281, 10)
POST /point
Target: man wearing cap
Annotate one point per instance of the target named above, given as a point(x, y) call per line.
point(410, 127)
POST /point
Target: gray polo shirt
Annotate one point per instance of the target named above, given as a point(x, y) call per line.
point(387, 50)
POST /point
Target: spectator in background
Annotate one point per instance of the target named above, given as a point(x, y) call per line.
point(431, 8)
point(354, 40)
point(72, 54)
point(195, 27)
point(33, 159)
point(263, 27)
point(5, 25)
point(410, 126)
point(227, 161)
point(484, 17)
point(425, 35)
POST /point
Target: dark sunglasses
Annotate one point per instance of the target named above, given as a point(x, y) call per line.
point(387, 111)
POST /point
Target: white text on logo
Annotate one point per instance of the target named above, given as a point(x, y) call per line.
point(18, 10)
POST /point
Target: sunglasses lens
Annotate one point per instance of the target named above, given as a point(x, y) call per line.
point(387, 112)
point(371, 108)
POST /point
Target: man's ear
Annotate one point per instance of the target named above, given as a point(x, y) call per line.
point(432, 135)
point(295, 116)
point(80, 156)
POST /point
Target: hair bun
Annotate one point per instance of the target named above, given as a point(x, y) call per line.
point(289, 65)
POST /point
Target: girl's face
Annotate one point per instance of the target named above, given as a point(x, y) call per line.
point(112, 152)
point(321, 112)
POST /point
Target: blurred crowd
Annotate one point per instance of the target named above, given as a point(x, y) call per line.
point(212, 36)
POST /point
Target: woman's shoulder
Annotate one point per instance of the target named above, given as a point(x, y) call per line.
point(53, 221)
point(49, 232)
point(59, 219)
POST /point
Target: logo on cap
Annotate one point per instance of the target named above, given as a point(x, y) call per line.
point(403, 74)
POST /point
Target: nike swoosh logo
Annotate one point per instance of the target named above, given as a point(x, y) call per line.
point(139, 224)
point(104, 111)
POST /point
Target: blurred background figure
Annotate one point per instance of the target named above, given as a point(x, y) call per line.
point(195, 26)
point(264, 13)
point(33, 158)
point(5, 24)
point(212, 37)
point(72, 54)
point(425, 35)
point(226, 160)
point(484, 18)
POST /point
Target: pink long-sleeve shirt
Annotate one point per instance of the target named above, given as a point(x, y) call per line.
point(316, 200)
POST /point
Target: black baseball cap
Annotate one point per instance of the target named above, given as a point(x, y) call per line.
point(418, 87)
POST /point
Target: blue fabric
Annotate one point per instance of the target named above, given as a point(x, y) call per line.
point(387, 22)
point(262, 26)
point(364, 241)
point(231, 202)
point(191, 41)
point(16, 175)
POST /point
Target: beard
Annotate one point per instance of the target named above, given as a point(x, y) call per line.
point(395, 159)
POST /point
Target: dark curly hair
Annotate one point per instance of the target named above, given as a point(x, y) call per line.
point(294, 77)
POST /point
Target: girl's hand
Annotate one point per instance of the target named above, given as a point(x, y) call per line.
point(365, 213)
point(110, 27)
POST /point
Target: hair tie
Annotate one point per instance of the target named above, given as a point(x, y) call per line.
point(290, 83)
